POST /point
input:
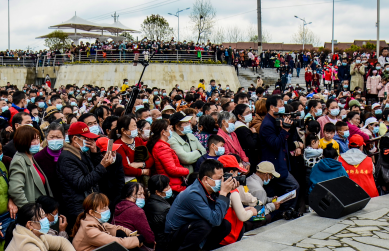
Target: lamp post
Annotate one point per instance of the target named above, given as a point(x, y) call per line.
point(304, 23)
point(333, 28)
point(178, 16)
point(9, 34)
point(378, 29)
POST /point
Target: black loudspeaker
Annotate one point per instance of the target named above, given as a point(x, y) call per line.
point(337, 197)
point(113, 246)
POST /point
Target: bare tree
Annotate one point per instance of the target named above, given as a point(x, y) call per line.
point(308, 37)
point(203, 17)
point(252, 34)
point(218, 35)
point(235, 34)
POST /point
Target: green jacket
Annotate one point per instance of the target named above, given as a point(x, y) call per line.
point(25, 185)
point(187, 155)
point(3, 190)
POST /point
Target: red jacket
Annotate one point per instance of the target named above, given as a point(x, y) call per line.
point(167, 163)
point(127, 152)
point(308, 76)
point(13, 112)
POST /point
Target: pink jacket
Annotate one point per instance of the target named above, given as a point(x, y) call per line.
point(373, 83)
point(232, 145)
point(322, 121)
point(383, 89)
point(355, 130)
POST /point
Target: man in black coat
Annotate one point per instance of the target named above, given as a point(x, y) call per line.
point(80, 168)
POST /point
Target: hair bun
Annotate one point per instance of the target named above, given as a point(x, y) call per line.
point(329, 146)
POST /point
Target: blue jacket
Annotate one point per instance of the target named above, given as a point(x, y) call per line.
point(194, 204)
point(344, 73)
point(326, 169)
point(273, 145)
point(343, 143)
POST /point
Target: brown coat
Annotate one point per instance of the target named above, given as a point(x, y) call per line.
point(92, 235)
point(257, 122)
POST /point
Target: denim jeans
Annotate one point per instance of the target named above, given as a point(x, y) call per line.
point(298, 72)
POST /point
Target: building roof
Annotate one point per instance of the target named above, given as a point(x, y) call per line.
point(340, 46)
point(360, 43)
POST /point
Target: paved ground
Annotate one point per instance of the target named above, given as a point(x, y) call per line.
point(365, 230)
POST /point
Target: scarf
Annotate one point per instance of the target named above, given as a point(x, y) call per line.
point(54, 154)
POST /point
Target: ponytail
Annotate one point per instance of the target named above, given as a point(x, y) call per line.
point(76, 226)
point(156, 128)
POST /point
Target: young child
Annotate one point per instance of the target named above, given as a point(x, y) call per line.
point(312, 153)
point(328, 137)
point(341, 136)
point(383, 87)
point(216, 149)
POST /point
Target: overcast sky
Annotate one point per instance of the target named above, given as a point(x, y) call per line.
point(354, 19)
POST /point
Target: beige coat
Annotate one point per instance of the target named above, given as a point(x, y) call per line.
point(92, 235)
point(357, 77)
point(259, 82)
point(372, 84)
point(25, 240)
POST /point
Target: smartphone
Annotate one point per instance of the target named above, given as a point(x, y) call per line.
point(110, 144)
point(134, 233)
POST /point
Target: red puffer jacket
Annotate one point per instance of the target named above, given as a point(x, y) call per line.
point(167, 163)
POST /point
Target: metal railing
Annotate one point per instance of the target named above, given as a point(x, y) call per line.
point(19, 61)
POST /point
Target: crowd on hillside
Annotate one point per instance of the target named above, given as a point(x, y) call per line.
point(184, 169)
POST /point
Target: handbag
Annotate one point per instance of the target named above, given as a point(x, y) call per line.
point(5, 218)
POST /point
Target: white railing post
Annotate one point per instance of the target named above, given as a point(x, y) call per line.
point(79, 56)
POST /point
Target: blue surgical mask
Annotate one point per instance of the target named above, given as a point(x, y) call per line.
point(149, 119)
point(138, 107)
point(169, 194)
point(376, 130)
point(157, 102)
point(59, 106)
point(378, 67)
point(218, 185)
point(55, 144)
point(216, 99)
point(266, 182)
point(67, 138)
point(145, 100)
point(248, 118)
point(41, 104)
point(83, 148)
point(319, 112)
point(346, 134)
point(378, 111)
point(4, 108)
point(334, 112)
point(83, 92)
point(358, 61)
point(155, 93)
point(345, 86)
point(73, 103)
point(164, 94)
point(134, 134)
point(302, 114)
point(344, 116)
point(170, 135)
point(140, 202)
point(199, 114)
point(231, 127)
point(34, 149)
point(281, 109)
point(187, 129)
point(33, 100)
point(104, 216)
point(1, 157)
point(89, 99)
point(52, 223)
point(71, 92)
point(344, 64)
point(220, 151)
point(45, 226)
point(94, 129)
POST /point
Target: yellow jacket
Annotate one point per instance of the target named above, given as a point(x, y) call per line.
point(201, 85)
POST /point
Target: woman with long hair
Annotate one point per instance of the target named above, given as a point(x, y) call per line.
point(166, 159)
point(92, 231)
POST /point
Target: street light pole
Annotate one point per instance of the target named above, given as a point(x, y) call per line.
point(333, 21)
point(304, 23)
point(178, 16)
point(378, 29)
point(259, 23)
point(9, 33)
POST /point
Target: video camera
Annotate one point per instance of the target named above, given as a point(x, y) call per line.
point(298, 123)
point(241, 178)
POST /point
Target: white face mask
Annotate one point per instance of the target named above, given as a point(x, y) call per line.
point(146, 134)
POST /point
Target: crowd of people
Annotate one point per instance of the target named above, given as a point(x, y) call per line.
point(184, 169)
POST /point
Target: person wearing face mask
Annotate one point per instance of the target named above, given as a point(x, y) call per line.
point(126, 134)
point(143, 130)
point(92, 229)
point(357, 72)
point(19, 104)
point(187, 147)
point(166, 160)
point(373, 81)
point(314, 110)
point(341, 136)
point(80, 168)
point(129, 212)
point(113, 181)
point(30, 232)
point(27, 181)
point(157, 208)
point(215, 148)
point(50, 206)
point(47, 158)
point(331, 117)
point(226, 122)
point(248, 137)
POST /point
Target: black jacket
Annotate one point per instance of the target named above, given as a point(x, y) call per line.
point(113, 182)
point(9, 149)
point(250, 145)
point(156, 209)
point(79, 174)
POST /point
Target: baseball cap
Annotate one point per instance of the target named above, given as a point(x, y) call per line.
point(369, 121)
point(229, 161)
point(267, 167)
point(354, 102)
point(356, 141)
point(179, 117)
point(375, 105)
point(102, 143)
point(80, 128)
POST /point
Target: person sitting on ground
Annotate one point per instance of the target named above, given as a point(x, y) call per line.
point(328, 168)
point(359, 166)
point(196, 218)
point(216, 149)
point(92, 231)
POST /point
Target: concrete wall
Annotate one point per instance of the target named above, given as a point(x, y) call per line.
point(17, 76)
point(159, 75)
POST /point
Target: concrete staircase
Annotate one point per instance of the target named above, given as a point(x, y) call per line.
point(269, 76)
